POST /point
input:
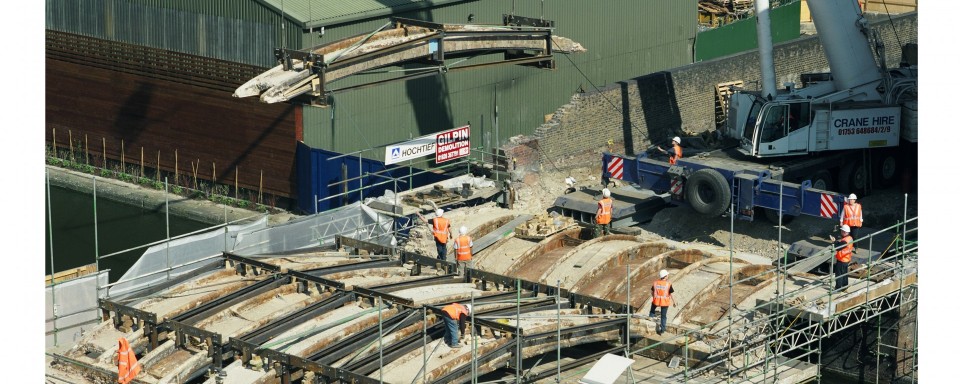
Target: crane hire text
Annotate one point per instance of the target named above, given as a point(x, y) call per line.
point(864, 125)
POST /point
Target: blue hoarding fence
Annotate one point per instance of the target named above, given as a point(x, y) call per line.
point(327, 179)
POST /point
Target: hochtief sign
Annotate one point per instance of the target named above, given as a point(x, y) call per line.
point(416, 148)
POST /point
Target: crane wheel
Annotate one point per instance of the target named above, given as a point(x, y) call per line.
point(773, 217)
point(886, 168)
point(853, 178)
point(708, 192)
point(822, 180)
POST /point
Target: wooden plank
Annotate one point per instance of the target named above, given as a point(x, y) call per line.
point(72, 273)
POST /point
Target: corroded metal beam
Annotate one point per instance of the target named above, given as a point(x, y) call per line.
point(521, 41)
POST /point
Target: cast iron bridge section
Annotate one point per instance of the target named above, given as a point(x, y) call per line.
point(422, 48)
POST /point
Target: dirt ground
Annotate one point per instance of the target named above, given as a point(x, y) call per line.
point(537, 191)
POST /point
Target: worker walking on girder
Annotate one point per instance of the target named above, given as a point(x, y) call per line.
point(604, 212)
point(852, 216)
point(464, 246)
point(844, 247)
point(453, 315)
point(441, 232)
point(662, 292)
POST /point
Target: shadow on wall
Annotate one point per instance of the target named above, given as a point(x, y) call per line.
point(428, 95)
point(658, 100)
point(627, 125)
point(132, 117)
point(254, 145)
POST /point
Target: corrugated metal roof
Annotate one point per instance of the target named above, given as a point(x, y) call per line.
point(315, 13)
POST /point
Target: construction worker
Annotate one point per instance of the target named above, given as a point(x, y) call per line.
point(844, 247)
point(441, 232)
point(127, 365)
point(570, 181)
point(463, 244)
point(675, 153)
point(453, 315)
point(662, 292)
point(604, 212)
point(852, 216)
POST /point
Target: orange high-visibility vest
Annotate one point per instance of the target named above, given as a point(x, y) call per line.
point(679, 153)
point(454, 310)
point(661, 293)
point(441, 227)
point(604, 210)
point(844, 254)
point(127, 364)
point(852, 215)
point(462, 245)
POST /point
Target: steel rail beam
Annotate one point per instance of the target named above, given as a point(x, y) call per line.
point(508, 348)
point(370, 364)
point(433, 280)
point(149, 319)
point(343, 241)
point(369, 264)
point(251, 262)
point(250, 342)
point(342, 348)
point(207, 309)
point(381, 52)
point(576, 330)
point(421, 260)
point(213, 340)
point(316, 280)
point(578, 362)
point(383, 296)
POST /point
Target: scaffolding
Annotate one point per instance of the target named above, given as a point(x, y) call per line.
point(745, 345)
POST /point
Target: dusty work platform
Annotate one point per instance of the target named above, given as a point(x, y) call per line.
point(362, 312)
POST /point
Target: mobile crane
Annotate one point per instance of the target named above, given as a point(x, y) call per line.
point(852, 125)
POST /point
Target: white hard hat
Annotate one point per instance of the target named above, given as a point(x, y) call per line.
point(606, 192)
point(439, 212)
point(853, 196)
point(663, 273)
point(570, 180)
point(463, 230)
point(845, 228)
point(469, 308)
point(676, 139)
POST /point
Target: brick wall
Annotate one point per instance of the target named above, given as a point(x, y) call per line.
point(653, 108)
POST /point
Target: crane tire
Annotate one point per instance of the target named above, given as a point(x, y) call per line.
point(853, 178)
point(708, 192)
point(774, 217)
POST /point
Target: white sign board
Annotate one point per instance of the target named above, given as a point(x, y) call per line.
point(412, 149)
point(607, 370)
point(417, 148)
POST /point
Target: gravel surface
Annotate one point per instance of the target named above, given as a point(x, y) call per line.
point(539, 190)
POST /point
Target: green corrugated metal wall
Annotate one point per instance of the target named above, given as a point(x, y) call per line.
point(742, 35)
point(624, 39)
point(237, 30)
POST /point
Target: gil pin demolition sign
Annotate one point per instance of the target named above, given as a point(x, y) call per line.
point(453, 144)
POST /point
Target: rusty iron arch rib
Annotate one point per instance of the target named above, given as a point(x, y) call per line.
point(310, 73)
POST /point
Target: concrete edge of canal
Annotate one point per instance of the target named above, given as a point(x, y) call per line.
point(147, 198)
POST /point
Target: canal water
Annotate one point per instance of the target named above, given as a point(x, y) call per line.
point(118, 226)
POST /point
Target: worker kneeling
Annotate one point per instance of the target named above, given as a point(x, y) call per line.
point(453, 315)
